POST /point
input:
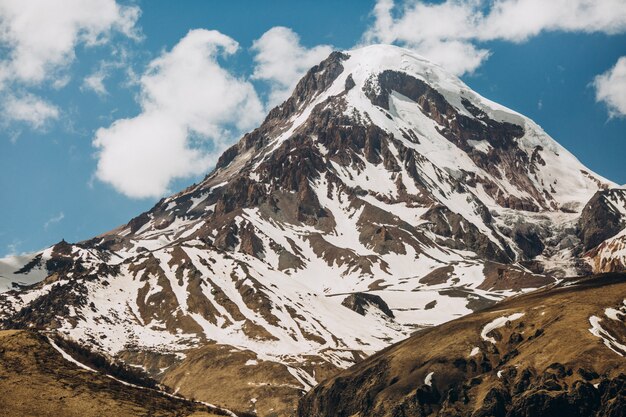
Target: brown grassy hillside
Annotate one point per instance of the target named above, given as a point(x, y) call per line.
point(545, 362)
point(35, 380)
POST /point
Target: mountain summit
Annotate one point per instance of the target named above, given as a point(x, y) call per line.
point(382, 197)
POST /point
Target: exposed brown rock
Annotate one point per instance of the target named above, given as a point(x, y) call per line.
point(438, 276)
point(464, 234)
point(500, 276)
point(599, 219)
point(359, 302)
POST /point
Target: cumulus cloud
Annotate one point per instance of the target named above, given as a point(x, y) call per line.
point(611, 88)
point(281, 60)
point(38, 39)
point(41, 35)
point(12, 248)
point(29, 109)
point(518, 20)
point(191, 109)
point(458, 57)
point(451, 32)
point(440, 32)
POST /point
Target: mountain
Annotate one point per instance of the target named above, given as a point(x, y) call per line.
point(383, 197)
point(554, 352)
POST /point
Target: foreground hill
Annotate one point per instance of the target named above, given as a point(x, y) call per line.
point(37, 380)
point(559, 351)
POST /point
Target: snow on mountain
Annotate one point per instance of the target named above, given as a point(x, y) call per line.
point(560, 176)
point(383, 175)
point(610, 255)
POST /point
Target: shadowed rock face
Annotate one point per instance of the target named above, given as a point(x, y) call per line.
point(553, 352)
point(382, 179)
point(602, 229)
point(603, 217)
point(360, 302)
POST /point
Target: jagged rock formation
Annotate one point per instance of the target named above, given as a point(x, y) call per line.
point(603, 217)
point(362, 303)
point(382, 175)
point(554, 352)
point(602, 228)
point(610, 255)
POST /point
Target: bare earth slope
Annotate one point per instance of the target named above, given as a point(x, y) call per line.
point(559, 351)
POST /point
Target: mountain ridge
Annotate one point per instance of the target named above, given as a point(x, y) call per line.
point(381, 175)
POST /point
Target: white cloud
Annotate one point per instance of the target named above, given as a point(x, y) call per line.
point(95, 82)
point(61, 81)
point(281, 60)
point(29, 109)
point(189, 103)
point(53, 220)
point(448, 32)
point(440, 32)
point(38, 39)
point(41, 35)
point(458, 57)
point(518, 20)
point(611, 88)
point(119, 58)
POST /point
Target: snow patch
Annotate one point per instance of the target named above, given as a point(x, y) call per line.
point(608, 339)
point(429, 379)
point(480, 145)
point(496, 324)
point(68, 357)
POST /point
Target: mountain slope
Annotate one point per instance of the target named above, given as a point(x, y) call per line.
point(36, 380)
point(382, 175)
point(557, 351)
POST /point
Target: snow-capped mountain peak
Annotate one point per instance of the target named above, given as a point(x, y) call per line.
point(382, 185)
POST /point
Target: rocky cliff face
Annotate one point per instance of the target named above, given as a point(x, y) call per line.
point(554, 352)
point(603, 217)
point(610, 255)
point(381, 175)
point(602, 228)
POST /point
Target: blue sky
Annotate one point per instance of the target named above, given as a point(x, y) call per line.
point(118, 69)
